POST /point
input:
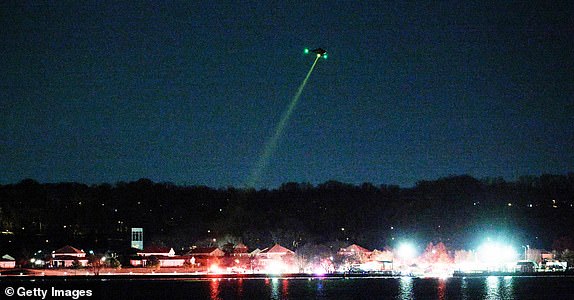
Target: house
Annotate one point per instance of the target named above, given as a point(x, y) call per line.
point(203, 257)
point(277, 251)
point(254, 252)
point(378, 255)
point(164, 255)
point(353, 250)
point(276, 259)
point(355, 254)
point(547, 255)
point(7, 262)
point(207, 251)
point(240, 250)
point(538, 255)
point(66, 256)
point(156, 251)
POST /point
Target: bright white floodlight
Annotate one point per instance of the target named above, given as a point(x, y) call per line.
point(496, 253)
point(406, 251)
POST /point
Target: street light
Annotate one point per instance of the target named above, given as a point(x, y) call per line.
point(526, 248)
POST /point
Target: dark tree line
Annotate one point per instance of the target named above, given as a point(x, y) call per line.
point(454, 210)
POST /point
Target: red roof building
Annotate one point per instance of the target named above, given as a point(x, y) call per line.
point(276, 259)
point(69, 250)
point(276, 250)
point(354, 249)
point(65, 257)
point(208, 251)
point(355, 254)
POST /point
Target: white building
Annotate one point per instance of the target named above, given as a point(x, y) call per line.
point(7, 262)
point(65, 257)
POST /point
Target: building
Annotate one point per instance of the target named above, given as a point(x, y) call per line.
point(165, 256)
point(277, 251)
point(7, 262)
point(157, 251)
point(137, 238)
point(207, 251)
point(254, 252)
point(274, 260)
point(66, 256)
point(380, 261)
point(378, 255)
point(538, 255)
point(355, 254)
point(354, 249)
point(240, 250)
point(525, 266)
point(205, 257)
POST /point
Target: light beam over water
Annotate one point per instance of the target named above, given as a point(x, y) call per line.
point(271, 145)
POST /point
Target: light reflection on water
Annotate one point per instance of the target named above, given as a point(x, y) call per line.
point(441, 289)
point(275, 288)
point(240, 286)
point(316, 284)
point(279, 289)
point(406, 288)
point(285, 288)
point(492, 287)
point(464, 289)
point(214, 289)
point(403, 288)
point(499, 288)
point(319, 286)
point(508, 287)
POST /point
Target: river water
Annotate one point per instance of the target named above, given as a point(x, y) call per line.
point(316, 288)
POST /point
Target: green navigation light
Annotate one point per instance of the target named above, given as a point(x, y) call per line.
point(306, 50)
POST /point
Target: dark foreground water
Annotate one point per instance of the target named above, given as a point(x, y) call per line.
point(293, 288)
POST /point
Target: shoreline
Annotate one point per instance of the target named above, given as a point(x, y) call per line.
point(172, 273)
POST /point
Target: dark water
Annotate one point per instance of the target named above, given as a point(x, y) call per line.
point(365, 288)
point(359, 288)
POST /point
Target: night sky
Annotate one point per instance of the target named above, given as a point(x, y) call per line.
point(190, 92)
